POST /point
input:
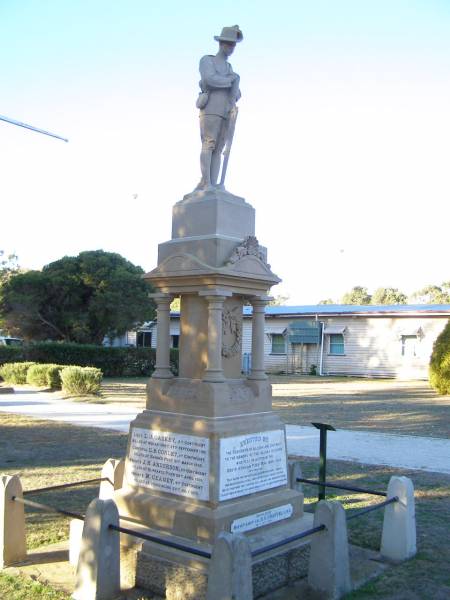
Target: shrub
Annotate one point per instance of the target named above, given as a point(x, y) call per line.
point(44, 375)
point(439, 372)
point(37, 375)
point(54, 376)
point(81, 380)
point(15, 372)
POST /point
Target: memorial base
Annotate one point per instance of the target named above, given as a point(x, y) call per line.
point(173, 574)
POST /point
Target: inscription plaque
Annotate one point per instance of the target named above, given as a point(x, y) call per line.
point(169, 462)
point(262, 518)
point(252, 463)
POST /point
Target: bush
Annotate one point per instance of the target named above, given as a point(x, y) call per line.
point(15, 372)
point(439, 372)
point(54, 376)
point(81, 380)
point(44, 375)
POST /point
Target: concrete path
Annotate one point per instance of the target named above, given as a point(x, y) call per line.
point(402, 451)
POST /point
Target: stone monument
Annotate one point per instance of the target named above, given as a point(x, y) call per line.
point(208, 454)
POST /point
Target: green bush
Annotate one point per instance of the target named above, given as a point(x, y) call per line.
point(37, 375)
point(15, 372)
point(439, 372)
point(44, 375)
point(81, 380)
point(114, 362)
point(54, 376)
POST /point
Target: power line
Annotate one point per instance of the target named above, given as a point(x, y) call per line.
point(26, 126)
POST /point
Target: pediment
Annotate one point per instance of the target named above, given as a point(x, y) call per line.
point(252, 265)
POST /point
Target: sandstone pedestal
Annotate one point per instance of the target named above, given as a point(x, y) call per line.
point(208, 455)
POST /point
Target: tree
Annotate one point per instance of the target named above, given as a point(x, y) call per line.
point(8, 266)
point(77, 299)
point(388, 296)
point(278, 300)
point(439, 372)
point(357, 295)
point(433, 294)
point(328, 301)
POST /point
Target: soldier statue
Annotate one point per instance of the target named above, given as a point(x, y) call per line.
point(219, 92)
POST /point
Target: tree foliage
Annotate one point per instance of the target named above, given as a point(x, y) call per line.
point(439, 372)
point(434, 294)
point(279, 300)
point(78, 299)
point(388, 295)
point(357, 295)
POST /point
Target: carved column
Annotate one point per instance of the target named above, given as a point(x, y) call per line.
point(214, 370)
point(162, 367)
point(258, 319)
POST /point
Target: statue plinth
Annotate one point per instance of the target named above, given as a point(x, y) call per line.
point(208, 454)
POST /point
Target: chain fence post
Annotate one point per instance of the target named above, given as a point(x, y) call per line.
point(13, 546)
point(98, 570)
point(398, 540)
point(112, 473)
point(329, 565)
point(230, 569)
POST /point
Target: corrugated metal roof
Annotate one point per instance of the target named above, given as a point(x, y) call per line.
point(352, 309)
point(347, 309)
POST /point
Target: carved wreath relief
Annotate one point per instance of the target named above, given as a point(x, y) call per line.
point(249, 247)
point(231, 332)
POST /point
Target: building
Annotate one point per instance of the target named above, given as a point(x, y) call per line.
point(330, 339)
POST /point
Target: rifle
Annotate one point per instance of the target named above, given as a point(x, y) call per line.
point(230, 134)
point(20, 124)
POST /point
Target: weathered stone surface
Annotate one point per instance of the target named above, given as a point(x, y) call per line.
point(398, 540)
point(12, 522)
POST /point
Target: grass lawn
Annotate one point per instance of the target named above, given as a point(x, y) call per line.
point(47, 453)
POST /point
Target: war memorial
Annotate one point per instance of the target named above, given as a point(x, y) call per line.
point(208, 454)
point(206, 505)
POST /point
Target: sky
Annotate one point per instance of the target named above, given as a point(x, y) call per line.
point(342, 142)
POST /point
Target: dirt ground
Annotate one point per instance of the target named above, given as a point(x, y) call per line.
point(388, 405)
point(385, 405)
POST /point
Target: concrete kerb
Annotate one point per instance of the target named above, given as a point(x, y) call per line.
point(398, 539)
point(329, 567)
point(230, 569)
point(98, 570)
point(13, 546)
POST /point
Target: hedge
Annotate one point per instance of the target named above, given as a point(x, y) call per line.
point(439, 372)
point(114, 362)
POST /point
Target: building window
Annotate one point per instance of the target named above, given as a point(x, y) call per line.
point(175, 341)
point(278, 344)
point(144, 339)
point(336, 344)
point(409, 346)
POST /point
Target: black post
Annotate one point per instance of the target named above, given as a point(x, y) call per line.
point(323, 428)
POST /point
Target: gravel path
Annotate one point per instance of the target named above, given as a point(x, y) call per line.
point(402, 451)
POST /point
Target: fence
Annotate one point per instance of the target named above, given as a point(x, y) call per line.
point(231, 557)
